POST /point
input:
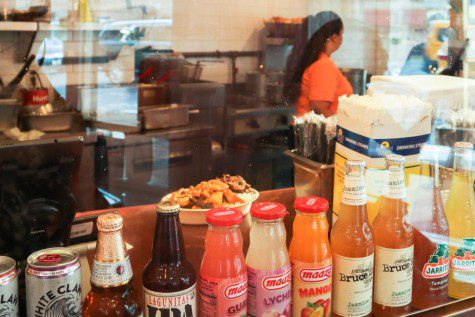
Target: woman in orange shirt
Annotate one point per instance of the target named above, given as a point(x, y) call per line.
point(316, 82)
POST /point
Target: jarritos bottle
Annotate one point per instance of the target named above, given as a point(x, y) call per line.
point(223, 272)
point(431, 237)
point(460, 211)
point(269, 272)
point(394, 245)
point(111, 278)
point(352, 247)
point(311, 259)
point(169, 279)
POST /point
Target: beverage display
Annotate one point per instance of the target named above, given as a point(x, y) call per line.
point(460, 211)
point(8, 287)
point(352, 247)
point(311, 259)
point(223, 272)
point(169, 279)
point(111, 277)
point(394, 245)
point(431, 238)
point(269, 271)
point(53, 283)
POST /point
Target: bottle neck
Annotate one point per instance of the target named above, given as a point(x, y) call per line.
point(354, 190)
point(168, 245)
point(395, 184)
point(110, 247)
point(224, 237)
point(463, 162)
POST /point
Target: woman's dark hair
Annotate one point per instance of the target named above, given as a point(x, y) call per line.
point(327, 23)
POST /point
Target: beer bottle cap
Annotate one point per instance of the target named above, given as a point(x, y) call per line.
point(109, 222)
point(268, 211)
point(223, 217)
point(311, 204)
point(168, 207)
point(463, 145)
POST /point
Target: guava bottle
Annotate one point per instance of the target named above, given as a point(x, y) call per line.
point(394, 245)
point(460, 211)
point(223, 272)
point(352, 247)
point(431, 237)
point(268, 263)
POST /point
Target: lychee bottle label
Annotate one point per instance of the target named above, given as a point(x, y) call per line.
point(269, 292)
point(311, 288)
point(223, 297)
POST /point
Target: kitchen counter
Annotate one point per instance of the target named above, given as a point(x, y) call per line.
point(139, 226)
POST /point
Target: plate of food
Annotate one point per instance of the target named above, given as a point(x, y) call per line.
point(226, 191)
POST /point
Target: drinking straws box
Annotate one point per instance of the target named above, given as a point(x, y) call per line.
point(369, 128)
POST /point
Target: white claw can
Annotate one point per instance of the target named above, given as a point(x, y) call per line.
point(53, 283)
point(8, 287)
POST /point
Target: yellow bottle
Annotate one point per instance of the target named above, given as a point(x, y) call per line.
point(460, 212)
point(84, 11)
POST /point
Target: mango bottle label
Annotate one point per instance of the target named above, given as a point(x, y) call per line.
point(352, 285)
point(312, 288)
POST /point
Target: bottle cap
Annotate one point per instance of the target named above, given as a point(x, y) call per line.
point(168, 207)
point(223, 217)
point(109, 222)
point(463, 145)
point(350, 164)
point(268, 211)
point(394, 159)
point(311, 204)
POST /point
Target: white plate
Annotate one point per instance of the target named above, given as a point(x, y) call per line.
point(198, 216)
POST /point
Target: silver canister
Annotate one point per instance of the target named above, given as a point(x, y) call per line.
point(53, 283)
point(8, 287)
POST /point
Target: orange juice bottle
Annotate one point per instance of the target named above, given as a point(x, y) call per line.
point(223, 272)
point(311, 259)
point(394, 242)
point(460, 211)
point(352, 248)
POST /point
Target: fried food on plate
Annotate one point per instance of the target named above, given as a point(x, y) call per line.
point(214, 193)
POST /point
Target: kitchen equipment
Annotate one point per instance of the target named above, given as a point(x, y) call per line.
point(8, 114)
point(9, 89)
point(152, 94)
point(165, 116)
point(35, 95)
point(53, 122)
point(313, 179)
point(256, 84)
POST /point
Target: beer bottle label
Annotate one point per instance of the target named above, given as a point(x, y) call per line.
point(223, 297)
point(311, 288)
point(354, 190)
point(395, 185)
point(177, 304)
point(393, 276)
point(269, 292)
point(437, 265)
point(352, 285)
point(108, 274)
point(463, 262)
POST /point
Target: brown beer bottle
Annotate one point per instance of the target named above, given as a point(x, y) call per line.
point(111, 278)
point(169, 279)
